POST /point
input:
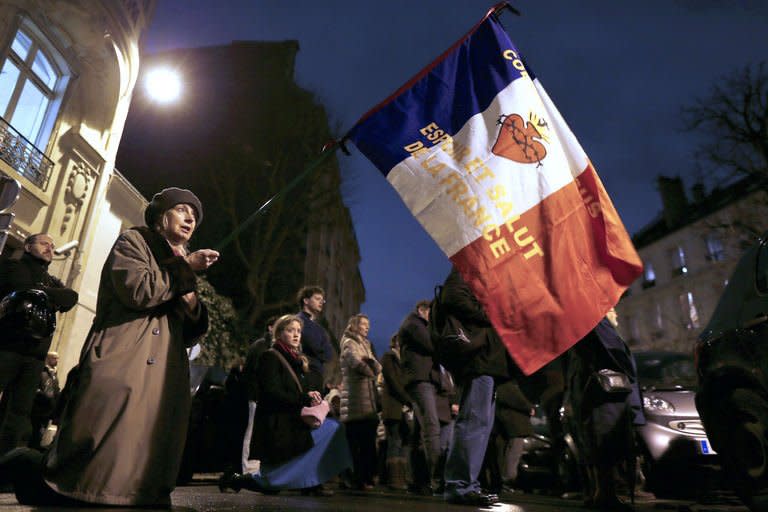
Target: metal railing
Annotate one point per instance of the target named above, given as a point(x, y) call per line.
point(23, 156)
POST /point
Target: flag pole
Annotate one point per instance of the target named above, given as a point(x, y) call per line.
point(327, 151)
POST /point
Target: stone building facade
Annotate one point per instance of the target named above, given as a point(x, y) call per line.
point(67, 78)
point(689, 253)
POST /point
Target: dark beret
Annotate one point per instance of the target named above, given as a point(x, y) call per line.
point(167, 199)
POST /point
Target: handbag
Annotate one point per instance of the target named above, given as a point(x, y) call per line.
point(612, 381)
point(314, 416)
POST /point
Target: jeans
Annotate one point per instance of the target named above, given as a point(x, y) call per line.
point(471, 432)
point(425, 409)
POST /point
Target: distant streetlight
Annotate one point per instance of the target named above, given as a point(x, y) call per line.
point(163, 85)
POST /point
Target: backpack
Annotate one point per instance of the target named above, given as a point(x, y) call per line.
point(451, 344)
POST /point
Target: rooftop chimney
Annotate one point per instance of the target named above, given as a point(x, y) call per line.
point(673, 199)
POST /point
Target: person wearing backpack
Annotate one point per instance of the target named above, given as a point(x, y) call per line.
point(484, 363)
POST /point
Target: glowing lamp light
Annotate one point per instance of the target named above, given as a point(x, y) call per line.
point(163, 85)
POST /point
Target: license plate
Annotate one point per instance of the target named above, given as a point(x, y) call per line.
point(706, 448)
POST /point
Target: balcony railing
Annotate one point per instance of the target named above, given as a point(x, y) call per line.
point(23, 156)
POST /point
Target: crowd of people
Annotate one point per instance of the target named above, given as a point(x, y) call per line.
point(425, 417)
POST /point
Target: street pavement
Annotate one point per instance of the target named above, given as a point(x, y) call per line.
point(203, 496)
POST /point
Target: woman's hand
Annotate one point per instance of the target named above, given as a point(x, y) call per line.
point(202, 259)
point(315, 397)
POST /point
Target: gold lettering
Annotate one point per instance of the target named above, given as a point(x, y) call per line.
point(429, 128)
point(510, 223)
point(505, 208)
point(497, 192)
point(414, 146)
point(480, 217)
point(477, 163)
point(499, 247)
point(435, 169)
point(518, 235)
point(458, 187)
point(487, 232)
point(533, 252)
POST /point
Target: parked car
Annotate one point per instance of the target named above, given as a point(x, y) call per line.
point(732, 365)
point(673, 448)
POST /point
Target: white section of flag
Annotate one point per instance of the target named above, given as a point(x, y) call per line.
point(526, 184)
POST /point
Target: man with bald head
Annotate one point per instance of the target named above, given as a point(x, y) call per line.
point(22, 354)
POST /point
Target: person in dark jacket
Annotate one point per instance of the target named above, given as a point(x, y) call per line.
point(421, 380)
point(602, 422)
point(22, 356)
point(512, 425)
point(486, 364)
point(395, 400)
point(251, 379)
point(316, 345)
point(293, 455)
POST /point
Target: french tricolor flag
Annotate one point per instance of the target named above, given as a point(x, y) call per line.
point(485, 162)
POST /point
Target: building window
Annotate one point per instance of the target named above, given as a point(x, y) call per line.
point(658, 317)
point(33, 77)
point(715, 251)
point(690, 316)
point(678, 261)
point(649, 276)
point(634, 327)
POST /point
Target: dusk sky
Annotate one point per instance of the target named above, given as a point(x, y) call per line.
point(619, 73)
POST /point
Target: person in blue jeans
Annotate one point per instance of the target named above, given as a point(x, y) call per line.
point(484, 364)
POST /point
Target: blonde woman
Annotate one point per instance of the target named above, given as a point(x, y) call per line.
point(359, 409)
point(292, 454)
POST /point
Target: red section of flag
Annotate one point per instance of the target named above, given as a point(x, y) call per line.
point(549, 276)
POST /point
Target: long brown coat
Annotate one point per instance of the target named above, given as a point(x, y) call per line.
point(122, 433)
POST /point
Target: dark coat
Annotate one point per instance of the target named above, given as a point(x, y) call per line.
point(416, 350)
point(315, 344)
point(251, 366)
point(394, 395)
point(29, 273)
point(491, 357)
point(279, 433)
point(601, 422)
point(513, 411)
point(122, 432)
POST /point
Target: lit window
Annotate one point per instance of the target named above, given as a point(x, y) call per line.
point(678, 261)
point(30, 84)
point(690, 315)
point(658, 317)
point(715, 251)
point(649, 276)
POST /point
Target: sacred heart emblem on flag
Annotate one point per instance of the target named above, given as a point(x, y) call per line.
point(520, 140)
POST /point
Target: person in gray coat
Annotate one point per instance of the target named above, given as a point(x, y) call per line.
point(123, 429)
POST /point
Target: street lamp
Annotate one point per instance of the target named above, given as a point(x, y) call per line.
point(163, 85)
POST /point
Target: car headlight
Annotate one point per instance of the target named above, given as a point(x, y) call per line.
point(655, 404)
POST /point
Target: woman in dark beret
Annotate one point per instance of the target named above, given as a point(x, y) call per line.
point(122, 433)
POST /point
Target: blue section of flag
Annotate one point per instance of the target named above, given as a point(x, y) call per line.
point(461, 84)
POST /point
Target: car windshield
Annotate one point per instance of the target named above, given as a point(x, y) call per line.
point(666, 370)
